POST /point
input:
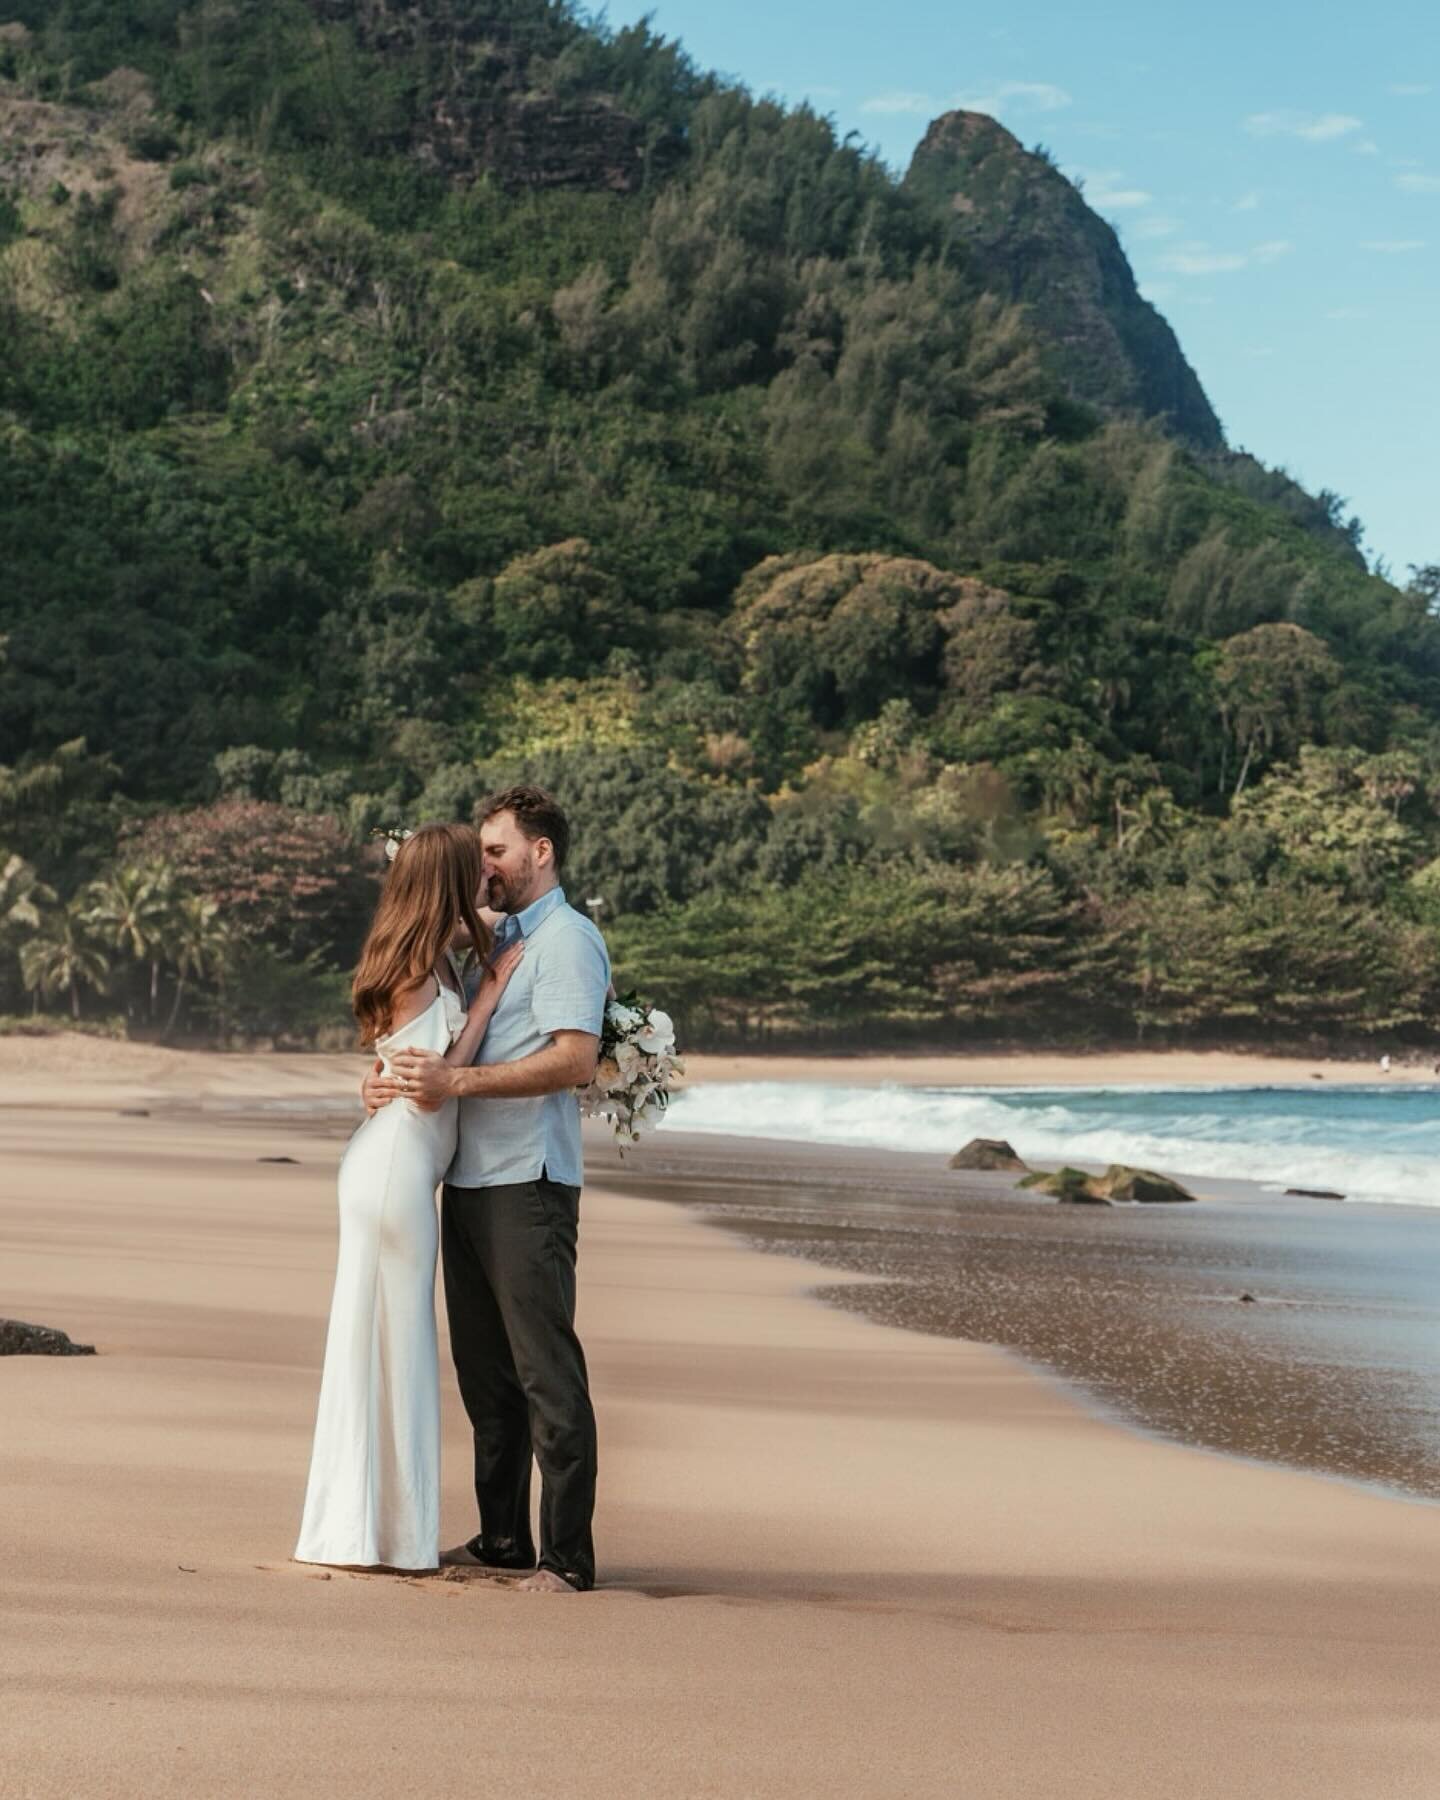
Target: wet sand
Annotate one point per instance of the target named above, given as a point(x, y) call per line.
point(1333, 1366)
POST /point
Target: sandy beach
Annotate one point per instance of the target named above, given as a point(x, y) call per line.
point(1053, 1069)
point(69, 1067)
point(836, 1557)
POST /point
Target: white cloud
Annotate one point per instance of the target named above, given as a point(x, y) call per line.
point(1016, 96)
point(1410, 87)
point(1201, 259)
point(1159, 290)
point(1314, 128)
point(1156, 226)
point(1394, 246)
point(1246, 202)
point(1197, 260)
point(1366, 147)
point(1105, 189)
point(1419, 184)
point(900, 103)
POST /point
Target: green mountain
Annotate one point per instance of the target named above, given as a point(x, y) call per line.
point(398, 397)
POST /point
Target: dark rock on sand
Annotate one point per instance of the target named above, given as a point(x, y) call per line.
point(134, 1112)
point(1315, 1193)
point(1248, 1300)
point(20, 1339)
point(278, 1159)
point(1071, 1187)
point(1117, 1183)
point(1121, 1183)
point(987, 1153)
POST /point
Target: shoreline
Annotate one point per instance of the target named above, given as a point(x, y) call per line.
point(1333, 1366)
point(834, 1554)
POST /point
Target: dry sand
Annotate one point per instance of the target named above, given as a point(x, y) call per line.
point(1053, 1068)
point(837, 1559)
point(78, 1067)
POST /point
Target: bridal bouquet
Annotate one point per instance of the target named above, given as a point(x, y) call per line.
point(636, 1070)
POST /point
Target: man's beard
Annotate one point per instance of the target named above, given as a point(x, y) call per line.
point(508, 892)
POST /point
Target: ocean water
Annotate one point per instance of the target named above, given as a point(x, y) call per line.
point(1374, 1144)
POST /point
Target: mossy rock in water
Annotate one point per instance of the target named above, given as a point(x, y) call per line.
point(987, 1153)
point(1121, 1183)
point(20, 1339)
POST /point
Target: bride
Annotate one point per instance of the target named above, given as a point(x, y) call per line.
point(373, 1498)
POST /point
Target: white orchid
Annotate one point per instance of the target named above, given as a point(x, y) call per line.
point(657, 1037)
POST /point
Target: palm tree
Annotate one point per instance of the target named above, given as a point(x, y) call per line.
point(132, 909)
point(22, 894)
point(199, 943)
point(64, 955)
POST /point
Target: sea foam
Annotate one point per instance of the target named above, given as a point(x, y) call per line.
point(1370, 1143)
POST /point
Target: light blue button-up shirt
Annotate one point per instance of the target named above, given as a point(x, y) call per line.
point(560, 985)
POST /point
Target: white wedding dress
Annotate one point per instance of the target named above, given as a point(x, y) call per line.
point(374, 1491)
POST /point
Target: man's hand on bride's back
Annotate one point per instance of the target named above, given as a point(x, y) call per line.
point(377, 1089)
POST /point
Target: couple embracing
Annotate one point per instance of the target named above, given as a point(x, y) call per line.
point(483, 1028)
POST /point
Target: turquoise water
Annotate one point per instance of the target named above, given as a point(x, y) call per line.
point(1373, 1143)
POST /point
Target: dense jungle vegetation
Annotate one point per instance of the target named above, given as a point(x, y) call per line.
point(398, 398)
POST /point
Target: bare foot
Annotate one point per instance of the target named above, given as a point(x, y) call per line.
point(544, 1581)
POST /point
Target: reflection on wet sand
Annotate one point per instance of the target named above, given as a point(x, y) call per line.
point(1334, 1367)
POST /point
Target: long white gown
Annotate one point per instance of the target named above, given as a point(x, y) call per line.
point(374, 1491)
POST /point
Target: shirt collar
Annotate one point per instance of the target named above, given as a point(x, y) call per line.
point(534, 914)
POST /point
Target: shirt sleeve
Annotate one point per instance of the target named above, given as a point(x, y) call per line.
point(572, 976)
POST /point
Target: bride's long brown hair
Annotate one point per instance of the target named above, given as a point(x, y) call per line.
point(430, 890)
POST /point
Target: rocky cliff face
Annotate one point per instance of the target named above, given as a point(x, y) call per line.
point(479, 109)
point(1028, 234)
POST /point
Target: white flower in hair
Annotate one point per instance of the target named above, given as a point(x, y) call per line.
point(394, 836)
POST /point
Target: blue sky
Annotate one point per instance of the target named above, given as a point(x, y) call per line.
point(1273, 170)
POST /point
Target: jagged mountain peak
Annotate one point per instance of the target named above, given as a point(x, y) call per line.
point(1028, 233)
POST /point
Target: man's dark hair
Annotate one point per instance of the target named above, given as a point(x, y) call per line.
point(538, 814)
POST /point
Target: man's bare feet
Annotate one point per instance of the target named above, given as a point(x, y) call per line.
point(544, 1581)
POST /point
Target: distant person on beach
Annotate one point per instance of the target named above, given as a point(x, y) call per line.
point(497, 1116)
point(1385, 1064)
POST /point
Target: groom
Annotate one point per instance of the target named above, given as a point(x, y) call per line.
point(511, 1207)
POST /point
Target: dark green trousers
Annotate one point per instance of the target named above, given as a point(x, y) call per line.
point(509, 1257)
